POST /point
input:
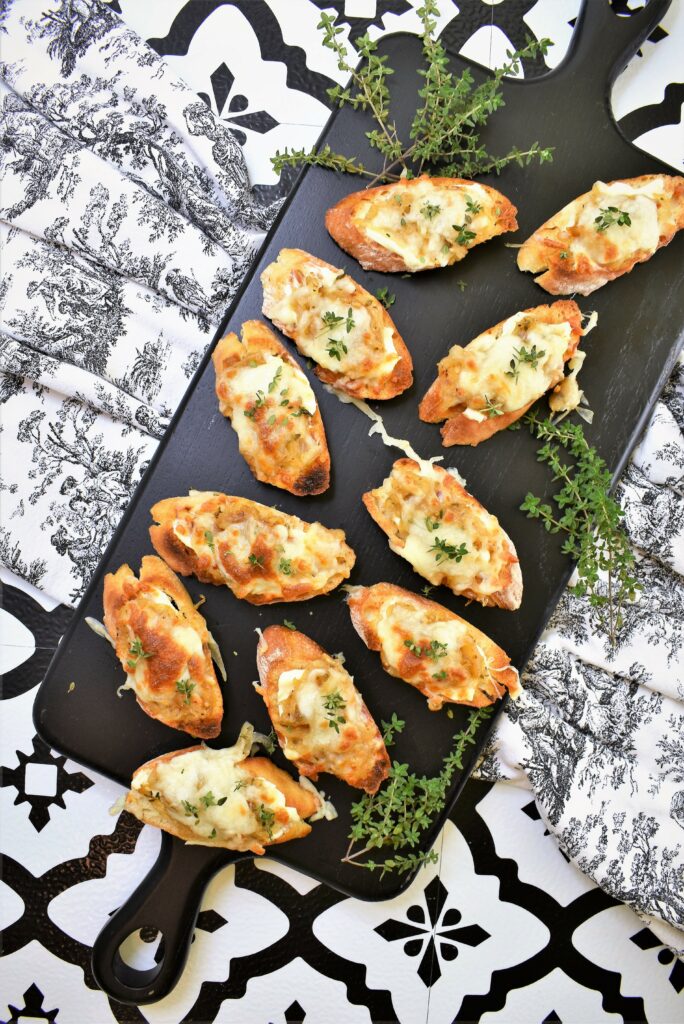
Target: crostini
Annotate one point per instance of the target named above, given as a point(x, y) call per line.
point(344, 329)
point(602, 234)
point(319, 716)
point(262, 554)
point(491, 382)
point(419, 224)
point(426, 645)
point(222, 798)
point(164, 645)
point(446, 534)
point(273, 411)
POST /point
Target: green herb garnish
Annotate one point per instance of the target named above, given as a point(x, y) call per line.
point(208, 799)
point(334, 704)
point(395, 818)
point(256, 560)
point(289, 625)
point(386, 297)
point(611, 215)
point(590, 517)
point(137, 652)
point(276, 379)
point(434, 651)
point(190, 809)
point(266, 818)
point(492, 408)
point(444, 133)
point(430, 210)
point(285, 566)
point(336, 348)
point(185, 687)
point(444, 551)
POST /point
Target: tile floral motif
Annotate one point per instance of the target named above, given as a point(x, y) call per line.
point(33, 1008)
point(41, 780)
point(433, 934)
point(645, 939)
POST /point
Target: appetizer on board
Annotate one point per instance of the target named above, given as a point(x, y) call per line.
point(604, 233)
point(431, 648)
point(344, 329)
point(262, 554)
point(418, 224)
point(491, 382)
point(222, 798)
point(273, 411)
point(319, 716)
point(164, 646)
point(446, 534)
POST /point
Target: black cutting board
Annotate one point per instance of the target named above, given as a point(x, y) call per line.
point(630, 355)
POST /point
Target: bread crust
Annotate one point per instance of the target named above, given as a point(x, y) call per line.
point(443, 400)
point(152, 812)
point(256, 578)
point(365, 607)
point(291, 453)
point(564, 270)
point(443, 492)
point(359, 382)
point(130, 614)
point(372, 255)
point(355, 752)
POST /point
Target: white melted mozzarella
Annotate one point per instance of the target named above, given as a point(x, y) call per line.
point(184, 780)
point(248, 380)
point(422, 228)
point(486, 367)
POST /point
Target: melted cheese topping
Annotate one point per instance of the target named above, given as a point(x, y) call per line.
point(207, 790)
point(298, 298)
point(304, 720)
point(153, 613)
point(618, 241)
point(274, 378)
point(491, 367)
point(451, 666)
point(254, 552)
point(421, 224)
point(429, 519)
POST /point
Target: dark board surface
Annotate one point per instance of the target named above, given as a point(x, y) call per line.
point(629, 356)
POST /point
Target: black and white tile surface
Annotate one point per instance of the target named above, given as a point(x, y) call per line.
point(504, 929)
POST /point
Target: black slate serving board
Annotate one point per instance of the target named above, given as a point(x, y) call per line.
point(630, 355)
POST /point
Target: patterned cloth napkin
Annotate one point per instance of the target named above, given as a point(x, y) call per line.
point(127, 223)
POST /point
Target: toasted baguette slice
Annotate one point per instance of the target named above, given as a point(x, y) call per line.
point(446, 534)
point(162, 642)
point(426, 645)
point(222, 798)
point(604, 233)
point(273, 411)
point(318, 714)
point(492, 382)
point(263, 555)
point(338, 324)
point(419, 224)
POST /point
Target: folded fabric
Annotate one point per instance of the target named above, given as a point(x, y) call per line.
point(127, 226)
point(599, 731)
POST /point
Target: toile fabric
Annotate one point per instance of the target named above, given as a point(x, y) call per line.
point(127, 223)
point(598, 732)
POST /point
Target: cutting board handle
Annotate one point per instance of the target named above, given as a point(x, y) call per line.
point(603, 43)
point(167, 899)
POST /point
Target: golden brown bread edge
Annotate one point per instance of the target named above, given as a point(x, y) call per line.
point(187, 562)
point(315, 477)
point(277, 649)
point(462, 430)
point(509, 596)
point(373, 256)
point(302, 800)
point(122, 586)
point(364, 602)
point(401, 376)
point(540, 253)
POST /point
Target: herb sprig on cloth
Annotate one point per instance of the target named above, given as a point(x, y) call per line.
point(590, 518)
point(444, 133)
point(394, 818)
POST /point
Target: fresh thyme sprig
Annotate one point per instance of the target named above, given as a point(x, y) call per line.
point(444, 133)
point(395, 818)
point(590, 517)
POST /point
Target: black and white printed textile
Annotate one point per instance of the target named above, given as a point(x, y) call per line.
point(127, 223)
